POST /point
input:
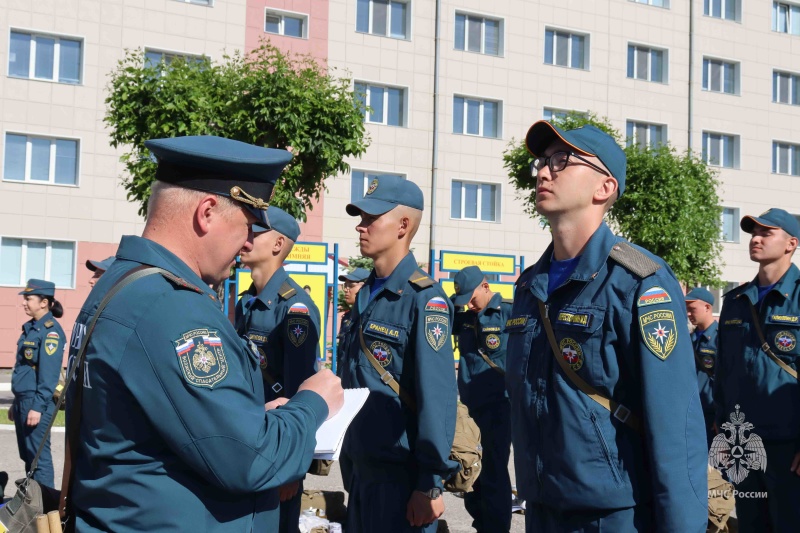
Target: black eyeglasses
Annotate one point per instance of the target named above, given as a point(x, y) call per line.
point(558, 162)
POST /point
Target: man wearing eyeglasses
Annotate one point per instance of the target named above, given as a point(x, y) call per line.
point(607, 426)
point(351, 284)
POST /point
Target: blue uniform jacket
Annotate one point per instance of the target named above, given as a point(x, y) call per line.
point(344, 325)
point(626, 336)
point(478, 383)
point(283, 323)
point(746, 376)
point(40, 350)
point(407, 326)
point(705, 350)
point(173, 435)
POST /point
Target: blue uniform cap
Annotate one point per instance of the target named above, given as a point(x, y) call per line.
point(359, 274)
point(699, 293)
point(240, 171)
point(279, 220)
point(39, 287)
point(103, 265)
point(772, 218)
point(586, 140)
point(466, 281)
point(384, 194)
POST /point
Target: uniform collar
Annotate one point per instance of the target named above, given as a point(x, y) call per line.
point(396, 282)
point(493, 305)
point(145, 251)
point(710, 331)
point(270, 291)
point(593, 258)
point(784, 287)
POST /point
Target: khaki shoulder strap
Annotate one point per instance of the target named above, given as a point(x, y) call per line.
point(620, 412)
point(286, 291)
point(764, 346)
point(420, 280)
point(385, 375)
point(633, 259)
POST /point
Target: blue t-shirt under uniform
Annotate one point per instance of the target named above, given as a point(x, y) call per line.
point(377, 286)
point(762, 291)
point(559, 272)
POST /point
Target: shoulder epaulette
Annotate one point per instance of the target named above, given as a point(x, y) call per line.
point(49, 324)
point(286, 291)
point(507, 301)
point(420, 280)
point(180, 282)
point(633, 259)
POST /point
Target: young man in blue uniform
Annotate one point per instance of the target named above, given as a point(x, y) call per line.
point(606, 420)
point(399, 340)
point(482, 345)
point(173, 433)
point(755, 384)
point(699, 302)
point(280, 318)
point(40, 352)
point(98, 268)
point(351, 284)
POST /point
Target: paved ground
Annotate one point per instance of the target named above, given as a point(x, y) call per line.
point(456, 517)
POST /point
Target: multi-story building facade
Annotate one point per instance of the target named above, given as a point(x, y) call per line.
point(717, 76)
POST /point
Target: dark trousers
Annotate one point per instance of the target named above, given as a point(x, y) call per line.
point(290, 513)
point(489, 503)
point(542, 519)
point(378, 500)
point(780, 510)
point(29, 438)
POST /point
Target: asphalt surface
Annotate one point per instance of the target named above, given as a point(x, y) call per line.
point(456, 517)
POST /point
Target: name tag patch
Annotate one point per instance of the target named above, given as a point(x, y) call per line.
point(574, 319)
point(385, 330)
point(516, 322)
point(785, 319)
point(733, 322)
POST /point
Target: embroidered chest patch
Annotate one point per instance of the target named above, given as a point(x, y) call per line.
point(202, 357)
point(659, 332)
point(51, 343)
point(28, 353)
point(572, 353)
point(785, 341)
point(382, 352)
point(298, 331)
point(437, 330)
point(492, 341)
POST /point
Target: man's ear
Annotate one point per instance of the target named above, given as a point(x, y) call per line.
point(607, 189)
point(205, 212)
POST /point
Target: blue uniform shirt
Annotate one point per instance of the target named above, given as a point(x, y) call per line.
point(407, 327)
point(283, 323)
point(745, 375)
point(40, 350)
point(626, 336)
point(173, 435)
point(705, 358)
point(478, 383)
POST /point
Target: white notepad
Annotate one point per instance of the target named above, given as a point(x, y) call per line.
point(330, 435)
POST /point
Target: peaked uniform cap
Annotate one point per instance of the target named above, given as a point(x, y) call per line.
point(279, 220)
point(39, 287)
point(357, 275)
point(466, 281)
point(103, 265)
point(384, 193)
point(772, 218)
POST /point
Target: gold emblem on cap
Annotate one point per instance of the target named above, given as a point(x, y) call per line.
point(456, 287)
point(372, 186)
point(241, 196)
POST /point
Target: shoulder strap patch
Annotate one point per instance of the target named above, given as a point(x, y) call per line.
point(421, 280)
point(49, 324)
point(633, 259)
point(286, 291)
point(180, 282)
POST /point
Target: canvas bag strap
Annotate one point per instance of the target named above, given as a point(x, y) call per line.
point(764, 346)
point(386, 376)
point(620, 412)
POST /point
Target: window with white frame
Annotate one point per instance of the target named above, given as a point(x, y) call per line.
point(475, 201)
point(387, 105)
point(45, 57)
point(647, 63)
point(23, 259)
point(656, 3)
point(552, 113)
point(786, 18)
point(721, 149)
point(723, 9)
point(360, 180)
point(389, 18)
point(785, 88)
point(720, 76)
point(566, 48)
point(39, 159)
point(729, 224)
point(785, 158)
point(476, 33)
point(473, 116)
point(286, 23)
point(645, 134)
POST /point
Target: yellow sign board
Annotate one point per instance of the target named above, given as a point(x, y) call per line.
point(488, 263)
point(316, 283)
point(506, 290)
point(306, 252)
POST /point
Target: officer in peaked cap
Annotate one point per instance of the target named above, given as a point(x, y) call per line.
point(482, 344)
point(755, 384)
point(699, 302)
point(168, 411)
point(600, 372)
point(282, 321)
point(351, 284)
point(98, 268)
point(399, 346)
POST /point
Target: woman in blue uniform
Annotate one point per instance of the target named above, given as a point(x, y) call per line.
point(39, 356)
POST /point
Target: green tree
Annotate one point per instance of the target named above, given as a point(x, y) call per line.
point(670, 205)
point(266, 98)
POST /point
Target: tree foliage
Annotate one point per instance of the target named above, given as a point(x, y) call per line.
point(670, 205)
point(266, 98)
